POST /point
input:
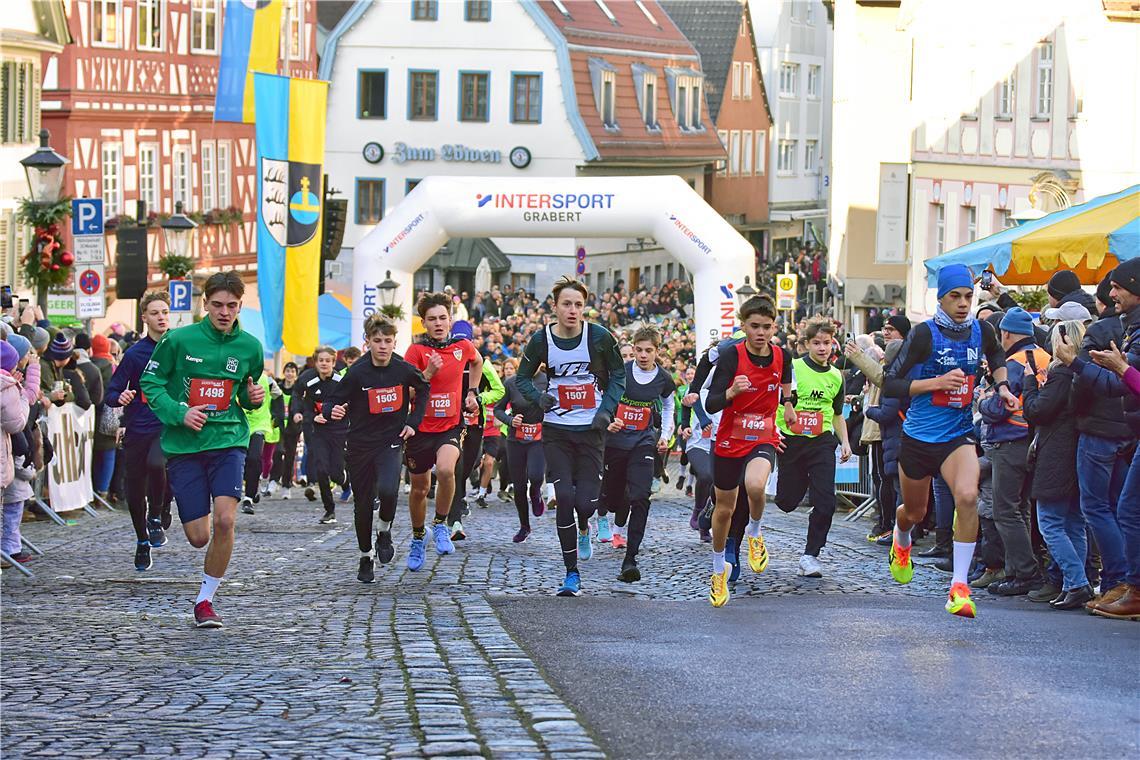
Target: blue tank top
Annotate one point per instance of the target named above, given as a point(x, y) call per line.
point(941, 417)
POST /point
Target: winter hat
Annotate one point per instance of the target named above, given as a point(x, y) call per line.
point(20, 343)
point(900, 323)
point(1017, 321)
point(8, 357)
point(1104, 291)
point(100, 347)
point(37, 336)
point(1063, 283)
point(1070, 311)
point(954, 276)
point(1127, 276)
point(83, 341)
point(462, 329)
point(990, 306)
point(60, 348)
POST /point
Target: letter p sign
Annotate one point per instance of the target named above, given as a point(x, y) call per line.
point(87, 216)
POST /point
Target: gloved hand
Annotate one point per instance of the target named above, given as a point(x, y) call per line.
point(601, 421)
point(546, 402)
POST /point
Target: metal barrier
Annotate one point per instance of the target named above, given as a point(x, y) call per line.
point(859, 496)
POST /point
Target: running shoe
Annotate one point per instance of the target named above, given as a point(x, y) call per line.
point(886, 539)
point(619, 541)
point(960, 603)
point(310, 494)
point(810, 567)
point(521, 536)
point(155, 532)
point(329, 518)
point(416, 554)
point(407, 488)
point(505, 496)
point(572, 586)
point(366, 573)
point(482, 502)
point(706, 537)
point(757, 553)
point(346, 493)
point(718, 587)
point(167, 518)
point(732, 557)
point(384, 549)
point(585, 546)
point(142, 556)
point(440, 534)
point(902, 569)
point(689, 490)
point(605, 534)
point(656, 486)
point(537, 506)
point(205, 617)
point(457, 533)
point(264, 487)
point(695, 520)
point(286, 493)
point(270, 488)
point(681, 483)
point(630, 573)
point(246, 505)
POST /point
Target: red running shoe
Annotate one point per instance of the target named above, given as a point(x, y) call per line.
point(205, 617)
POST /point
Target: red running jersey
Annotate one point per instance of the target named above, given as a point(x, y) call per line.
point(445, 402)
point(750, 418)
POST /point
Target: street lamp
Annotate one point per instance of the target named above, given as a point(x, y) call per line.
point(745, 291)
point(177, 232)
point(388, 290)
point(44, 170)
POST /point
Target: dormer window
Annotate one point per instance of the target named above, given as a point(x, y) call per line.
point(685, 94)
point(645, 84)
point(603, 77)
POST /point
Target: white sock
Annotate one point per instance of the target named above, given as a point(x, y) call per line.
point(718, 562)
point(903, 538)
point(209, 588)
point(384, 526)
point(753, 528)
point(366, 555)
point(619, 530)
point(963, 556)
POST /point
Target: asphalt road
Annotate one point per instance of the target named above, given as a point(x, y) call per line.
point(839, 675)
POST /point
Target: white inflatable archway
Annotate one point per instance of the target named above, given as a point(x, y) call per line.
point(664, 208)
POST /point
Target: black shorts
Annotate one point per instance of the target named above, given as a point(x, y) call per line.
point(728, 472)
point(492, 446)
point(919, 459)
point(421, 449)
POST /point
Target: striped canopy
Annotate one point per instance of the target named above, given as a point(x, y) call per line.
point(1090, 239)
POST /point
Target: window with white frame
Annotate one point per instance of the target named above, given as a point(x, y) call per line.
point(971, 224)
point(813, 81)
point(789, 73)
point(1044, 106)
point(106, 18)
point(761, 153)
point(111, 170)
point(786, 157)
point(736, 83)
point(746, 81)
point(180, 176)
point(695, 104)
point(682, 107)
point(204, 26)
point(225, 172)
point(723, 135)
point(1007, 96)
point(746, 153)
point(649, 101)
point(685, 94)
point(810, 156)
point(206, 157)
point(608, 98)
point(733, 153)
point(148, 176)
point(19, 101)
point(939, 229)
point(149, 22)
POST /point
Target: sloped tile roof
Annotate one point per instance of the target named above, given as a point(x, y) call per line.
point(712, 26)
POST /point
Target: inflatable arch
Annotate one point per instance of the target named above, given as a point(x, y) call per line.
point(664, 208)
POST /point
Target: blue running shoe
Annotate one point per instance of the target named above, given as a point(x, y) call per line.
point(155, 532)
point(442, 535)
point(732, 556)
point(605, 534)
point(416, 554)
point(572, 586)
point(346, 493)
point(585, 546)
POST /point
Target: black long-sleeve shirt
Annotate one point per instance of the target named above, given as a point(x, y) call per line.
point(725, 373)
point(369, 429)
point(916, 350)
point(518, 403)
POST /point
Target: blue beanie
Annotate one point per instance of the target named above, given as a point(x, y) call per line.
point(1017, 321)
point(954, 276)
point(20, 343)
point(462, 329)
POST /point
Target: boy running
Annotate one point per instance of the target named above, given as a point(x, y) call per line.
point(324, 436)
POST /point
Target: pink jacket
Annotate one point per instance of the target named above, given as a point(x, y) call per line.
point(13, 417)
point(1132, 380)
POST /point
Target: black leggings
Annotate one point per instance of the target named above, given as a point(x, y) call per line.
point(527, 464)
point(468, 459)
point(375, 475)
point(285, 459)
point(325, 463)
point(148, 495)
point(253, 463)
point(626, 487)
point(574, 468)
point(701, 463)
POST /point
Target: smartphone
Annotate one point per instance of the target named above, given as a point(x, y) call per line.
point(1061, 329)
point(6, 297)
point(987, 280)
point(24, 303)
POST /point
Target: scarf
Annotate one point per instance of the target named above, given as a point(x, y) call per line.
point(943, 320)
point(438, 344)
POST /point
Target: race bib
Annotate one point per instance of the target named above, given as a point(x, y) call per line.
point(441, 404)
point(385, 400)
point(808, 423)
point(708, 431)
point(577, 397)
point(529, 431)
point(957, 399)
point(634, 417)
point(319, 407)
point(752, 427)
point(215, 395)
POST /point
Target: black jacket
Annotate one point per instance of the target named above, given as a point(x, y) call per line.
point(1041, 335)
point(1049, 410)
point(1098, 414)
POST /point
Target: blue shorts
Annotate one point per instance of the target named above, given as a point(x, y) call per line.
point(196, 479)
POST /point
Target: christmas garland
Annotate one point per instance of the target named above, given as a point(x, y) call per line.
point(46, 264)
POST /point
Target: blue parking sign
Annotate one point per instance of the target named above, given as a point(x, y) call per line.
point(180, 295)
point(87, 216)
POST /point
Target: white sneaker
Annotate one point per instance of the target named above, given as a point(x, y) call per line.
point(271, 488)
point(656, 487)
point(407, 488)
point(263, 487)
point(286, 493)
point(810, 567)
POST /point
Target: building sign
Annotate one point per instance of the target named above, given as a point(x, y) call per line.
point(547, 207)
point(890, 219)
point(786, 291)
point(889, 295)
point(455, 153)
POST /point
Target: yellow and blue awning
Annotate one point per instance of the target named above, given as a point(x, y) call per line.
point(1090, 239)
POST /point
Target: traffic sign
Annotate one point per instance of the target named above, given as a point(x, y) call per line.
point(786, 291)
point(87, 216)
point(180, 295)
point(88, 249)
point(581, 268)
point(90, 292)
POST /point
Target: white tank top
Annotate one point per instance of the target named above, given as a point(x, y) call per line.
point(574, 387)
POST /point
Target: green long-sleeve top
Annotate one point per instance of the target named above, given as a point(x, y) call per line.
point(201, 352)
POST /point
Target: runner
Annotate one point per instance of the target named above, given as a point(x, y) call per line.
point(749, 385)
point(525, 460)
point(807, 464)
point(324, 437)
point(148, 496)
point(384, 399)
point(632, 442)
point(937, 369)
point(261, 423)
point(285, 458)
point(493, 451)
point(196, 382)
point(583, 363)
point(698, 449)
point(448, 364)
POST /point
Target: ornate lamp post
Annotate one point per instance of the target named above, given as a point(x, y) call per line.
point(388, 290)
point(745, 291)
point(46, 264)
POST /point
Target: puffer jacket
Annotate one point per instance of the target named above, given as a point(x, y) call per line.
point(1097, 413)
point(873, 371)
point(1049, 409)
point(13, 417)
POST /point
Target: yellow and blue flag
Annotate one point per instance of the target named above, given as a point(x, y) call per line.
point(251, 41)
point(290, 131)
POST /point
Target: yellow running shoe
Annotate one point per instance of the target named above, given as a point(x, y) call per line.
point(960, 603)
point(757, 554)
point(902, 569)
point(718, 587)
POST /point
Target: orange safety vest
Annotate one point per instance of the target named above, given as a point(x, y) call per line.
point(1036, 362)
